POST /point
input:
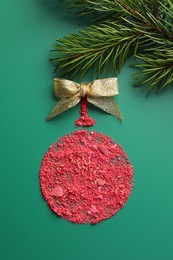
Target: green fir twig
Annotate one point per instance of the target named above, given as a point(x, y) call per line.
point(122, 28)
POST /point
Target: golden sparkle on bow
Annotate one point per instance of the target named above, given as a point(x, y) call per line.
point(99, 92)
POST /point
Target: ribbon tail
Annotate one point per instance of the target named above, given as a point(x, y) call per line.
point(63, 105)
point(108, 104)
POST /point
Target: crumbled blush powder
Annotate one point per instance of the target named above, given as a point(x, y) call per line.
point(84, 119)
point(86, 177)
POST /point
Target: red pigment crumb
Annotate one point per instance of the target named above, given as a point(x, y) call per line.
point(84, 119)
point(86, 177)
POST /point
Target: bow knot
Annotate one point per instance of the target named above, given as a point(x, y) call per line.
point(84, 89)
point(99, 92)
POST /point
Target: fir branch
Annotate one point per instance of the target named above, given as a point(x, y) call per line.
point(108, 44)
point(96, 11)
point(141, 29)
point(144, 12)
point(86, 7)
point(155, 71)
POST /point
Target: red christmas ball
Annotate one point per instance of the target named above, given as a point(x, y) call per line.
point(86, 177)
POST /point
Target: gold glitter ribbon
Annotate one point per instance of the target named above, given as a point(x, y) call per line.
point(99, 92)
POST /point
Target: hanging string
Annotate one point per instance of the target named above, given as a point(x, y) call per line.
point(84, 119)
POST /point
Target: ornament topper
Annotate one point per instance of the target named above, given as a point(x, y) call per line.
point(99, 92)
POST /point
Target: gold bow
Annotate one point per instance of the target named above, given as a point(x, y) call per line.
point(99, 92)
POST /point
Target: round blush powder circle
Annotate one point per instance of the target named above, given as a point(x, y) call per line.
point(86, 177)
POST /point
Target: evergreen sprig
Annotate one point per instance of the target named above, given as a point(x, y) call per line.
point(122, 28)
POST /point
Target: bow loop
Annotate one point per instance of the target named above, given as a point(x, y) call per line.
point(65, 88)
point(104, 87)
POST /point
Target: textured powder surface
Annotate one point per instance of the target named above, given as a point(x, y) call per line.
point(86, 177)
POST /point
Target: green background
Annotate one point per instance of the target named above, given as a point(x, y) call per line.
point(28, 229)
